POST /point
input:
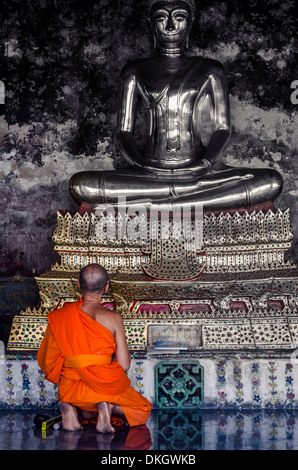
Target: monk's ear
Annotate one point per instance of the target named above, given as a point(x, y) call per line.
point(79, 285)
point(106, 288)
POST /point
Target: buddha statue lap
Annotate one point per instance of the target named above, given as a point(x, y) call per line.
point(177, 164)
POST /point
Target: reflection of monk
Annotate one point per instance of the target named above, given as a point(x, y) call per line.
point(135, 438)
point(187, 103)
point(85, 350)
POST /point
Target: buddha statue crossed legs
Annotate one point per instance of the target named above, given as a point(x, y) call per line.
point(177, 164)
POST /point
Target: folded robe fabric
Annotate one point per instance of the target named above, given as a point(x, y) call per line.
point(76, 353)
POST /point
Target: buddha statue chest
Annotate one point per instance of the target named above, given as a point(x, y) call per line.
point(174, 111)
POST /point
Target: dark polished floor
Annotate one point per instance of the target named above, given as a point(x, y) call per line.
point(166, 430)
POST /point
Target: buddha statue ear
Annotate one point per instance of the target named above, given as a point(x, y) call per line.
point(186, 44)
point(154, 36)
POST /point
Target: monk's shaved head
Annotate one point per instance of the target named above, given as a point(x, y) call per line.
point(93, 278)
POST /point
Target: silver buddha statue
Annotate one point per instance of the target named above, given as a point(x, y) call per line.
point(179, 164)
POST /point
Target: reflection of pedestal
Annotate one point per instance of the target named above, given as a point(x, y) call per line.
point(235, 291)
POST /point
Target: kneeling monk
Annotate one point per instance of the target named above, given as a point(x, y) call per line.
point(84, 349)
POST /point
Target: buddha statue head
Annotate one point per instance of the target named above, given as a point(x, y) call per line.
point(171, 22)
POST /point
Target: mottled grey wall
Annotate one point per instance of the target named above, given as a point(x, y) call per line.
point(60, 63)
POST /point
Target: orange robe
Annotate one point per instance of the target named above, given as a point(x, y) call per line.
point(76, 353)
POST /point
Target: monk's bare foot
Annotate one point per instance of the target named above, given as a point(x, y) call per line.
point(69, 414)
point(104, 418)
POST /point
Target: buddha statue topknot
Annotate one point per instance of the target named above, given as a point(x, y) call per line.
point(179, 163)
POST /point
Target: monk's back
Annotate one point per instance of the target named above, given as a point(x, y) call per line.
point(106, 317)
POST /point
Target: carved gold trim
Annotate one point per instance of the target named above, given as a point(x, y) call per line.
point(233, 334)
point(245, 298)
point(231, 243)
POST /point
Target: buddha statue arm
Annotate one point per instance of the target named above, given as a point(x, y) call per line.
point(216, 88)
point(215, 147)
point(126, 120)
point(129, 149)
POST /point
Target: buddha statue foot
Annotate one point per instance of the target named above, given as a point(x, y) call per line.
point(228, 189)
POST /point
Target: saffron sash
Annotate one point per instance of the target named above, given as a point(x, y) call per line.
point(84, 360)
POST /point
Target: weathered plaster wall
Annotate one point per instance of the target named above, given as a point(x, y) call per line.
point(60, 62)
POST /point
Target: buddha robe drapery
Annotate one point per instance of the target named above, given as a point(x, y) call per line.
point(76, 353)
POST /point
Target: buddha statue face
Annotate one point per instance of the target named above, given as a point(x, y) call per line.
point(171, 23)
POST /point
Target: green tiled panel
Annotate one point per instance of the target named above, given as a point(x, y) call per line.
point(179, 384)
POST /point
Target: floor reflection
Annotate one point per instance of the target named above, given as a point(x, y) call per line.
point(170, 429)
point(179, 430)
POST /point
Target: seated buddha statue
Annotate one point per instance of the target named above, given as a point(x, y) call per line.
point(182, 95)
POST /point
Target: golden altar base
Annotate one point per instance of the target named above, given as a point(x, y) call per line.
point(236, 292)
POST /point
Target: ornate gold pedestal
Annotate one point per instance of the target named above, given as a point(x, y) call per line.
point(236, 292)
